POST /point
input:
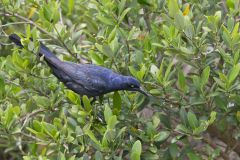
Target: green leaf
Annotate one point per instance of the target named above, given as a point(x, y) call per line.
point(161, 136)
point(235, 30)
point(226, 36)
point(160, 72)
point(136, 151)
point(115, 45)
point(196, 81)
point(133, 33)
point(155, 92)
point(181, 81)
point(10, 114)
point(219, 82)
point(121, 132)
point(28, 30)
point(38, 134)
point(25, 63)
point(165, 120)
point(96, 58)
point(230, 23)
point(27, 158)
point(179, 20)
point(117, 103)
point(105, 139)
point(173, 149)
point(234, 73)
point(133, 71)
point(90, 134)
point(236, 58)
point(37, 125)
point(201, 128)
point(156, 120)
point(42, 101)
point(123, 14)
point(183, 128)
point(192, 120)
point(2, 85)
point(54, 6)
point(183, 116)
point(85, 156)
point(70, 6)
point(154, 70)
point(106, 20)
point(112, 34)
point(112, 121)
point(72, 157)
point(193, 156)
point(61, 156)
point(17, 60)
point(50, 130)
point(223, 77)
point(121, 6)
point(107, 50)
point(72, 96)
point(47, 13)
point(173, 7)
point(212, 117)
point(98, 156)
point(87, 103)
point(141, 73)
point(238, 116)
point(218, 16)
point(50, 12)
point(167, 73)
point(99, 47)
point(144, 2)
point(107, 113)
point(230, 4)
point(189, 28)
point(205, 76)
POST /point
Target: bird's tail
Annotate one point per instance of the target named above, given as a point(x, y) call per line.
point(48, 55)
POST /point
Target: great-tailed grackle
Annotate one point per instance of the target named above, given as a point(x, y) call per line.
point(85, 79)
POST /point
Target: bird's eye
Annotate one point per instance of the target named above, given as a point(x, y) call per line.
point(132, 86)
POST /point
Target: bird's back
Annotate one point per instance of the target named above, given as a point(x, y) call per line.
point(85, 79)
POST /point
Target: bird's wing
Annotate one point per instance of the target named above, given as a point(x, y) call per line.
point(89, 76)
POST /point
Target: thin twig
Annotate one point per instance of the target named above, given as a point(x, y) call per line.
point(62, 42)
point(29, 136)
point(60, 13)
point(147, 19)
point(40, 29)
point(214, 146)
point(29, 115)
point(14, 23)
point(231, 149)
point(30, 22)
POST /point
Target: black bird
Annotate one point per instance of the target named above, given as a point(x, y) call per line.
point(85, 79)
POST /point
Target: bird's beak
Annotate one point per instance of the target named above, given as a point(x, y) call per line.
point(141, 90)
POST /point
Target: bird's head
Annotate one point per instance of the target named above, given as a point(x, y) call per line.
point(131, 84)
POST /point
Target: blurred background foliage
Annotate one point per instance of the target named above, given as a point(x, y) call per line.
point(185, 53)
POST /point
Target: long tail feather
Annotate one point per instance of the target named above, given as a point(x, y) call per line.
point(48, 55)
point(16, 39)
